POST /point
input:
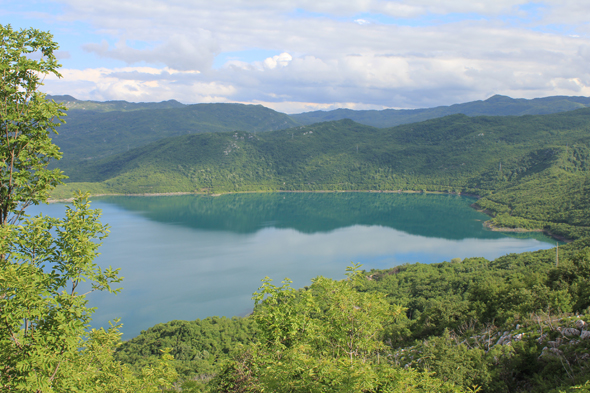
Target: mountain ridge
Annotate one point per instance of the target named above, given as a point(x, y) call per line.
point(497, 105)
point(502, 159)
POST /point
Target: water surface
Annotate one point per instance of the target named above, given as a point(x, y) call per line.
point(188, 257)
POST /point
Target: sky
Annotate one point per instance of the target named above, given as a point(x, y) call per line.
point(303, 55)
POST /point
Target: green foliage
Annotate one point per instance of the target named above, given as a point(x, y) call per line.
point(26, 120)
point(95, 369)
point(452, 295)
point(198, 346)
point(44, 318)
point(45, 345)
point(323, 339)
point(453, 361)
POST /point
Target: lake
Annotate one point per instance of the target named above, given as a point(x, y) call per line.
point(188, 257)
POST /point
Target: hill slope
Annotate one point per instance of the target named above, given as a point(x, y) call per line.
point(90, 134)
point(505, 159)
point(74, 104)
point(99, 129)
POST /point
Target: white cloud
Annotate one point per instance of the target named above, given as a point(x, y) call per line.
point(334, 57)
point(138, 84)
point(281, 60)
point(192, 52)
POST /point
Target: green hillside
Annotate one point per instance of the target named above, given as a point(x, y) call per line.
point(74, 104)
point(92, 134)
point(493, 106)
point(514, 324)
point(98, 129)
point(507, 160)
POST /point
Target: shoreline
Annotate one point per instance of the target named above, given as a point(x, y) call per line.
point(474, 206)
point(51, 200)
point(560, 238)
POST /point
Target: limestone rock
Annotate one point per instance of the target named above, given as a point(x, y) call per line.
point(570, 332)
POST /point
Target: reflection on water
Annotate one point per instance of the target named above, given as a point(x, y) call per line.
point(444, 216)
point(188, 257)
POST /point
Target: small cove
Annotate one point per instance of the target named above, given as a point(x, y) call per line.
point(188, 257)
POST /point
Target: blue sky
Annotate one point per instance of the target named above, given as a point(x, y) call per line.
point(300, 55)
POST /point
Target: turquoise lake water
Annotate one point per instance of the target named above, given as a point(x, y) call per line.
point(189, 257)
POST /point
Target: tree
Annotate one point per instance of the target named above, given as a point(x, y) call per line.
point(26, 121)
point(327, 338)
point(46, 344)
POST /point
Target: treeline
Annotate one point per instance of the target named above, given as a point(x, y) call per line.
point(474, 324)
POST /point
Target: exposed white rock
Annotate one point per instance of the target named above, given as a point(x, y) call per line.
point(570, 332)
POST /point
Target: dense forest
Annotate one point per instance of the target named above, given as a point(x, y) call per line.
point(98, 129)
point(95, 130)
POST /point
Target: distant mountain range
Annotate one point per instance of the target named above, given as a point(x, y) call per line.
point(98, 129)
point(495, 106)
point(108, 106)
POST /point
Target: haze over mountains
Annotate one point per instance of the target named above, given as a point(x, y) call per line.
point(494, 106)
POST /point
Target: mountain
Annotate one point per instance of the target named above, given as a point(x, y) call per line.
point(107, 106)
point(504, 159)
point(94, 133)
point(98, 129)
point(494, 106)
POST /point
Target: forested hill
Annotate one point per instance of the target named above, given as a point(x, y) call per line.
point(74, 104)
point(485, 326)
point(96, 129)
point(493, 106)
point(505, 159)
point(117, 126)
